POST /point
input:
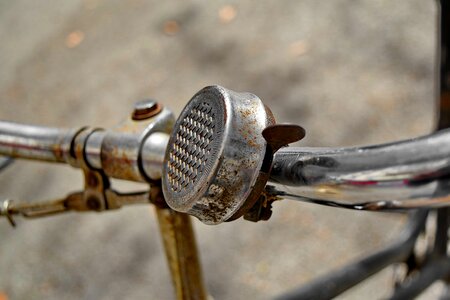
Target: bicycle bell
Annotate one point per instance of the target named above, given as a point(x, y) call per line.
point(214, 160)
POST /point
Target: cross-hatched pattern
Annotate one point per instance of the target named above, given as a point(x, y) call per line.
point(189, 154)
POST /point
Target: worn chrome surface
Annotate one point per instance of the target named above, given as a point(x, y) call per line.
point(121, 148)
point(122, 152)
point(215, 154)
point(35, 142)
point(152, 154)
point(93, 149)
point(407, 174)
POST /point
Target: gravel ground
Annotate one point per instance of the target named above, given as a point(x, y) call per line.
point(350, 72)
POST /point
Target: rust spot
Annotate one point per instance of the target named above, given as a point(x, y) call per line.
point(253, 143)
point(57, 151)
point(221, 194)
point(246, 112)
point(120, 163)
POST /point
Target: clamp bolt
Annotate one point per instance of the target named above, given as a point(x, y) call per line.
point(145, 109)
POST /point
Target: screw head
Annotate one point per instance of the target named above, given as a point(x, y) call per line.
point(145, 109)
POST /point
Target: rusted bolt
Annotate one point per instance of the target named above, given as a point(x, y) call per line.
point(145, 109)
point(93, 203)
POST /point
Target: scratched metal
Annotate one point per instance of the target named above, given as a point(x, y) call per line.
point(215, 154)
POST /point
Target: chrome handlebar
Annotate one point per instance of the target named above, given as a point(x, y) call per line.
point(34, 142)
point(404, 174)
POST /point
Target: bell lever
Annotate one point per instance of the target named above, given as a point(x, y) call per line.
point(280, 135)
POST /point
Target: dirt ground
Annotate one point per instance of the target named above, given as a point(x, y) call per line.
point(350, 72)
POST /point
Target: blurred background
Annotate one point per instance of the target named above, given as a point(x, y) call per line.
point(350, 72)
